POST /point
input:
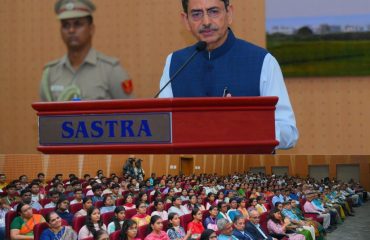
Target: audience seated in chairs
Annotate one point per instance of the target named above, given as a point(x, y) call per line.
point(93, 224)
point(211, 221)
point(254, 228)
point(62, 209)
point(159, 210)
point(239, 229)
point(87, 203)
point(108, 204)
point(196, 226)
point(56, 230)
point(177, 207)
point(22, 225)
point(156, 229)
point(225, 228)
point(175, 231)
point(141, 217)
point(118, 220)
point(78, 196)
point(208, 234)
point(129, 231)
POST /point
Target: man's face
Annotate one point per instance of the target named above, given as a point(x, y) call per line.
point(208, 20)
point(76, 32)
point(41, 178)
point(35, 189)
point(228, 229)
point(11, 191)
point(26, 197)
point(240, 224)
point(2, 179)
point(254, 217)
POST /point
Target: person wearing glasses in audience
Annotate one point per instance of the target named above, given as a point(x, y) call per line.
point(226, 230)
point(22, 225)
point(227, 67)
point(56, 230)
point(253, 227)
point(239, 229)
point(141, 217)
point(196, 226)
point(83, 73)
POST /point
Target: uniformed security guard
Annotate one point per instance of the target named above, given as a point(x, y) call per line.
point(83, 73)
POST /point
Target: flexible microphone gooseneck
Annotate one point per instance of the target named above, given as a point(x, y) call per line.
point(200, 46)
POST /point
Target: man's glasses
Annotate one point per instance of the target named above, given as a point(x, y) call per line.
point(197, 15)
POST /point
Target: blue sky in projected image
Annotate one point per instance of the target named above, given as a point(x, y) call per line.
point(297, 13)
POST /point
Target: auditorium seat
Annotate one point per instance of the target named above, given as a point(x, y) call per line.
point(185, 220)
point(44, 201)
point(78, 223)
point(9, 216)
point(119, 202)
point(167, 206)
point(39, 228)
point(45, 211)
point(263, 221)
point(99, 204)
point(75, 207)
point(130, 213)
point(150, 209)
point(115, 235)
point(107, 217)
point(143, 231)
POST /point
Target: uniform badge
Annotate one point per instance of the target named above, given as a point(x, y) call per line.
point(127, 86)
point(70, 6)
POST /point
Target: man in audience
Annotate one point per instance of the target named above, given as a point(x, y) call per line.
point(26, 198)
point(97, 190)
point(253, 226)
point(78, 194)
point(35, 190)
point(177, 207)
point(277, 197)
point(11, 194)
point(239, 229)
point(3, 182)
point(226, 230)
point(23, 181)
point(310, 208)
point(54, 196)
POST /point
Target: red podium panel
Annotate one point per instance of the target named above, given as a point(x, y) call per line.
point(197, 125)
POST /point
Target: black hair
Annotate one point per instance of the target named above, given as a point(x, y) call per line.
point(156, 203)
point(61, 199)
point(237, 217)
point(272, 216)
point(85, 199)
point(194, 212)
point(96, 187)
point(206, 234)
point(89, 224)
point(170, 217)
point(185, 4)
point(152, 221)
point(117, 210)
point(41, 174)
point(125, 227)
point(106, 196)
point(47, 216)
point(24, 191)
point(99, 233)
point(19, 207)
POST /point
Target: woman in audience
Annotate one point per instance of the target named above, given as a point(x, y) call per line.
point(184, 195)
point(200, 203)
point(22, 225)
point(129, 202)
point(208, 234)
point(192, 203)
point(143, 197)
point(222, 211)
point(108, 204)
point(87, 203)
point(118, 220)
point(211, 200)
point(191, 192)
point(279, 205)
point(175, 231)
point(242, 203)
point(129, 230)
point(93, 224)
point(220, 197)
point(177, 207)
point(196, 226)
point(277, 226)
point(141, 217)
point(159, 210)
point(211, 221)
point(56, 230)
point(260, 206)
point(62, 210)
point(252, 204)
point(156, 229)
point(101, 235)
point(170, 195)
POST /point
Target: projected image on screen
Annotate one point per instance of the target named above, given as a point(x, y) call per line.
point(320, 38)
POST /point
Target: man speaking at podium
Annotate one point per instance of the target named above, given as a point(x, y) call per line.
point(222, 65)
point(83, 73)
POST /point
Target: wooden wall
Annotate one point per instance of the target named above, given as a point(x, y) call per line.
point(15, 165)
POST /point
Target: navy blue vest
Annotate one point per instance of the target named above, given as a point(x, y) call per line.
point(236, 65)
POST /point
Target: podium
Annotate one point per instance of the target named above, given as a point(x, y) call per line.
point(237, 125)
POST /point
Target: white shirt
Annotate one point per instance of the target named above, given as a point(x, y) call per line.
point(271, 84)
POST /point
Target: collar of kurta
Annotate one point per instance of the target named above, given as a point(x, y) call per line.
point(223, 49)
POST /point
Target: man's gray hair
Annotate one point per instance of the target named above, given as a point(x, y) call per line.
point(221, 224)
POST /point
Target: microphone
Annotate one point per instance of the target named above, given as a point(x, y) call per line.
point(200, 46)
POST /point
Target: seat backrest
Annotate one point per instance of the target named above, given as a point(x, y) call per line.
point(99, 204)
point(38, 229)
point(167, 206)
point(130, 213)
point(185, 220)
point(78, 223)
point(165, 225)
point(115, 235)
point(75, 207)
point(8, 220)
point(143, 231)
point(44, 201)
point(120, 201)
point(150, 209)
point(107, 217)
point(263, 221)
point(45, 211)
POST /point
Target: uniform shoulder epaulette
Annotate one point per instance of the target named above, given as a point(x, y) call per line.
point(51, 63)
point(111, 60)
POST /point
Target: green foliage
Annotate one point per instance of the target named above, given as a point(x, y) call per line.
point(319, 56)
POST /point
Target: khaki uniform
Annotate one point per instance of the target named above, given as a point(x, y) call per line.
point(98, 77)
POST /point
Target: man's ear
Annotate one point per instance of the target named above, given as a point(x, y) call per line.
point(185, 20)
point(230, 13)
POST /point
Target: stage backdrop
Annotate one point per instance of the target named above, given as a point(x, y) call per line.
point(332, 114)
